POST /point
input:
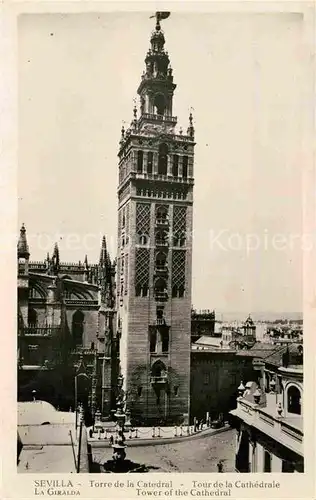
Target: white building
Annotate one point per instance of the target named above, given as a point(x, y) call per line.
point(270, 424)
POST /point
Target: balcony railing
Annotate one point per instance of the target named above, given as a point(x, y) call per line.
point(162, 221)
point(162, 379)
point(161, 268)
point(161, 295)
point(151, 116)
point(161, 243)
point(39, 331)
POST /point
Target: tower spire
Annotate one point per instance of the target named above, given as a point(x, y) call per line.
point(103, 253)
point(23, 248)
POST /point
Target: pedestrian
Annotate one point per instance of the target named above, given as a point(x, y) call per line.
point(111, 440)
point(91, 433)
point(220, 466)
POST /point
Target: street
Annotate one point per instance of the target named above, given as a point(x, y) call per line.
point(196, 455)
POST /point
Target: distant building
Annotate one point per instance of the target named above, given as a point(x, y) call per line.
point(216, 371)
point(203, 324)
point(269, 416)
point(67, 343)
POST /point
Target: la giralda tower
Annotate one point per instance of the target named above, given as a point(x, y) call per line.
point(155, 197)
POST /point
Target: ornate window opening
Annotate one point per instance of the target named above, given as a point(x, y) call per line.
point(143, 239)
point(159, 372)
point(159, 104)
point(163, 159)
point(141, 291)
point(32, 317)
point(179, 239)
point(162, 214)
point(294, 400)
point(150, 158)
point(161, 238)
point(161, 261)
point(185, 167)
point(160, 288)
point(178, 291)
point(140, 157)
point(77, 327)
point(175, 166)
point(153, 340)
point(164, 335)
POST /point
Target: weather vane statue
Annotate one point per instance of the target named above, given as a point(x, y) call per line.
point(159, 16)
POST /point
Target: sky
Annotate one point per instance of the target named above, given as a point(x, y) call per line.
point(241, 74)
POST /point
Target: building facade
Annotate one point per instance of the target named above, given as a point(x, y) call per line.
point(203, 324)
point(269, 416)
point(155, 196)
point(67, 343)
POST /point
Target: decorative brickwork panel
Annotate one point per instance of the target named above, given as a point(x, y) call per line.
point(119, 225)
point(179, 219)
point(178, 268)
point(143, 218)
point(142, 267)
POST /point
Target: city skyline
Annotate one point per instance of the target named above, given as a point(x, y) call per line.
point(69, 146)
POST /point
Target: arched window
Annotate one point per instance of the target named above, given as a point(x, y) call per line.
point(162, 214)
point(77, 327)
point(161, 260)
point(160, 287)
point(140, 156)
point(32, 317)
point(294, 400)
point(175, 166)
point(185, 167)
point(142, 239)
point(150, 157)
point(159, 104)
point(163, 159)
point(161, 238)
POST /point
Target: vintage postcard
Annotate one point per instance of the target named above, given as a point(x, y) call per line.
point(162, 250)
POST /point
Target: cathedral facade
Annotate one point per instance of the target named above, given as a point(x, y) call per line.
point(155, 198)
point(67, 342)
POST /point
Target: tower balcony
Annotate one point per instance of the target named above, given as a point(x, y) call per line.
point(162, 222)
point(159, 380)
point(161, 269)
point(161, 295)
point(162, 243)
point(145, 117)
point(39, 331)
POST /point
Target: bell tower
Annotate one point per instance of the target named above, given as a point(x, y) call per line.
point(155, 197)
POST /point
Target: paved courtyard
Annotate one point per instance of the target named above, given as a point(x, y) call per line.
point(196, 455)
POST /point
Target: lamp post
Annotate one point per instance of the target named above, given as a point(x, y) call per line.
point(119, 445)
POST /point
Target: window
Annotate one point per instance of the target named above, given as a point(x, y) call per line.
point(77, 327)
point(153, 340)
point(287, 466)
point(267, 461)
point(163, 159)
point(160, 287)
point(164, 334)
point(92, 346)
point(143, 239)
point(141, 291)
point(162, 214)
point(294, 400)
point(161, 259)
point(159, 312)
point(150, 162)
point(32, 319)
point(185, 167)
point(206, 378)
point(139, 391)
point(176, 390)
point(178, 291)
point(161, 238)
point(175, 166)
point(159, 104)
point(140, 156)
